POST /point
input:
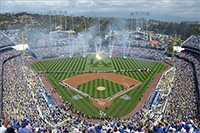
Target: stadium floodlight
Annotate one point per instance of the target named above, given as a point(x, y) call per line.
point(72, 23)
point(0, 7)
point(55, 19)
point(131, 21)
point(84, 23)
point(139, 14)
point(65, 12)
point(60, 14)
point(49, 21)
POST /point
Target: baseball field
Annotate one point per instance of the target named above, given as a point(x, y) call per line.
point(107, 87)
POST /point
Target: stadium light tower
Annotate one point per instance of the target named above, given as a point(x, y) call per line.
point(72, 23)
point(147, 14)
point(138, 14)
point(131, 21)
point(55, 19)
point(65, 12)
point(84, 23)
point(0, 7)
point(60, 14)
point(50, 21)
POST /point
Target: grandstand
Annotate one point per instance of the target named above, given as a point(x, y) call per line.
point(191, 52)
point(192, 43)
point(60, 37)
point(174, 101)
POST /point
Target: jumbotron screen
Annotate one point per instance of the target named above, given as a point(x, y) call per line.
point(137, 36)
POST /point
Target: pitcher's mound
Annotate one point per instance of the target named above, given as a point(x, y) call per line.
point(101, 103)
point(101, 88)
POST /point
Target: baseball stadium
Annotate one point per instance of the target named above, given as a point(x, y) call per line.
point(98, 80)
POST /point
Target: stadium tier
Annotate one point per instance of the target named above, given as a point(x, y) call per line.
point(192, 43)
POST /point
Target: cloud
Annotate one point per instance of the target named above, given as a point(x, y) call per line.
point(186, 9)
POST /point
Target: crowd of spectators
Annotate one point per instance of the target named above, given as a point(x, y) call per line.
point(60, 50)
point(23, 100)
point(183, 101)
point(77, 49)
point(139, 51)
point(192, 42)
point(192, 56)
point(4, 39)
point(31, 36)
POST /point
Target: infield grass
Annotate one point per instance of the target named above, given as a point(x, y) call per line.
point(119, 107)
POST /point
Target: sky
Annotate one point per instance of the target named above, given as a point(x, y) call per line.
point(163, 10)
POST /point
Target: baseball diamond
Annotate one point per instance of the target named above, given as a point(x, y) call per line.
point(127, 82)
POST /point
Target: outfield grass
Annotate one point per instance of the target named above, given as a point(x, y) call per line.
point(119, 107)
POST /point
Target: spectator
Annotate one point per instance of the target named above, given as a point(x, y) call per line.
point(3, 127)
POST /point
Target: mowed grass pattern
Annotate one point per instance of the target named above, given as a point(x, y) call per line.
point(91, 88)
point(119, 107)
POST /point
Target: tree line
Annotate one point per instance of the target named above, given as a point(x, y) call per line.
point(183, 29)
point(79, 23)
